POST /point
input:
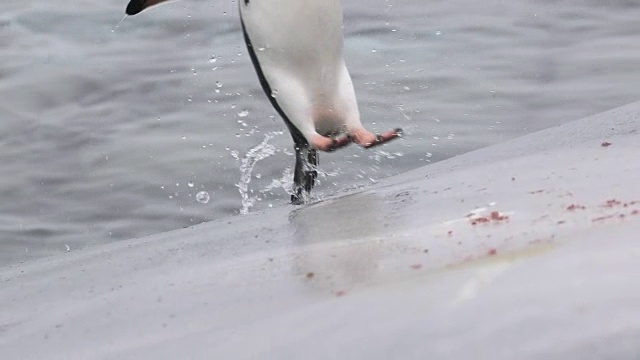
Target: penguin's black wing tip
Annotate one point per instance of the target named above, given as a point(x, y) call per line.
point(135, 7)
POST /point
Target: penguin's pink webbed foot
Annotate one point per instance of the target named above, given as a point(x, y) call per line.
point(330, 143)
point(384, 137)
point(367, 139)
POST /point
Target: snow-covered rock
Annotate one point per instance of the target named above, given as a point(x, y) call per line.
point(529, 249)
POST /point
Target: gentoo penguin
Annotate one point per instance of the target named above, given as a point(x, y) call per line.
point(296, 49)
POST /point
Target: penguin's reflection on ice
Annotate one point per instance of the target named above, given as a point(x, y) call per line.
point(296, 48)
point(337, 253)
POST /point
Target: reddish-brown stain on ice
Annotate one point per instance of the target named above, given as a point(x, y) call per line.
point(574, 207)
point(611, 203)
point(480, 220)
point(496, 216)
point(602, 218)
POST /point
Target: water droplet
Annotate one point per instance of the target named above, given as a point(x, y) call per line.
point(438, 32)
point(218, 84)
point(203, 197)
point(274, 93)
point(243, 113)
point(190, 184)
point(213, 59)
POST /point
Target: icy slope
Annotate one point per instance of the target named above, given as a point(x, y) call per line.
point(525, 250)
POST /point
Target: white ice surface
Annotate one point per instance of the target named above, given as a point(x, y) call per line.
point(398, 271)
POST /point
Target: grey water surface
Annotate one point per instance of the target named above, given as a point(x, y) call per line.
point(111, 130)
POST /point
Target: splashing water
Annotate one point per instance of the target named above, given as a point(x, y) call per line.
point(378, 154)
point(251, 158)
point(118, 24)
point(247, 164)
point(285, 182)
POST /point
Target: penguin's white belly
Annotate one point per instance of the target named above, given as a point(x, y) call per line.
point(298, 45)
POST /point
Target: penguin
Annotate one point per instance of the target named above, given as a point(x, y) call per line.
point(296, 48)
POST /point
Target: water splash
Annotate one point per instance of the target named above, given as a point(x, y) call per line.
point(118, 24)
point(379, 154)
point(248, 162)
point(285, 182)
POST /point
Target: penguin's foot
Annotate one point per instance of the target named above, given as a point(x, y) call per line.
point(330, 143)
point(367, 139)
point(384, 137)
